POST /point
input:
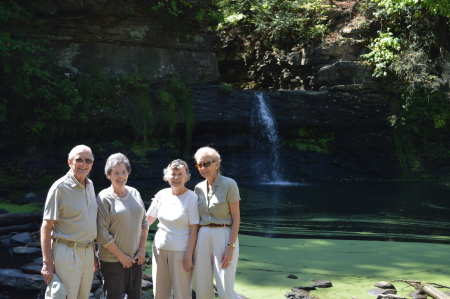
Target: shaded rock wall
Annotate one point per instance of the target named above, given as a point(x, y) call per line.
point(107, 35)
point(324, 135)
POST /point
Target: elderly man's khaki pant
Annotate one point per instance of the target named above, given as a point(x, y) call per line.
point(75, 269)
point(211, 244)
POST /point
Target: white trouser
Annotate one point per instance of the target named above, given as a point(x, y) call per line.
point(211, 244)
point(168, 273)
point(75, 269)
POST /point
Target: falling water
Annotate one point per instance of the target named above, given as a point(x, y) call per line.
point(266, 164)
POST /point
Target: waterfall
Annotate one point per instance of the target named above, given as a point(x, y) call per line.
point(266, 165)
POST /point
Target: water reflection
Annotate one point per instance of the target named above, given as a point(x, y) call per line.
point(386, 211)
point(396, 211)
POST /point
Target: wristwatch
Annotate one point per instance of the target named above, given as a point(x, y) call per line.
point(232, 244)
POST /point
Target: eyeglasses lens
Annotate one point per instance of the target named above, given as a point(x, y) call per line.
point(87, 161)
point(204, 164)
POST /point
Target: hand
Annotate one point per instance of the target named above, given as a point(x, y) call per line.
point(227, 256)
point(47, 271)
point(95, 264)
point(187, 263)
point(139, 257)
point(126, 261)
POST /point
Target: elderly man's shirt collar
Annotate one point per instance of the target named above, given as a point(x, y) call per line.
point(73, 180)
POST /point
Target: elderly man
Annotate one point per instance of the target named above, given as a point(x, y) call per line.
point(69, 227)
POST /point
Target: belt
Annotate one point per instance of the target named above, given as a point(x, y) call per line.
point(216, 225)
point(72, 244)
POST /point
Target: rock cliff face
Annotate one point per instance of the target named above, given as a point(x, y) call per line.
point(323, 135)
point(111, 37)
point(326, 133)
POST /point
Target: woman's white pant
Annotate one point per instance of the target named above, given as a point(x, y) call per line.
point(211, 244)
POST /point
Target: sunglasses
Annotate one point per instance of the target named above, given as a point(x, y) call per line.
point(87, 161)
point(204, 164)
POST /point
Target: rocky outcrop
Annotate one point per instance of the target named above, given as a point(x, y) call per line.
point(115, 39)
point(334, 64)
point(324, 135)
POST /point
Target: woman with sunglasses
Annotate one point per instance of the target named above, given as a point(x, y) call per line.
point(217, 249)
point(174, 243)
point(122, 230)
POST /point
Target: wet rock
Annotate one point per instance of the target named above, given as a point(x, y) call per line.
point(147, 277)
point(417, 295)
point(98, 294)
point(308, 288)
point(296, 295)
point(291, 276)
point(15, 278)
point(390, 296)
point(146, 285)
point(376, 292)
point(302, 292)
point(34, 244)
point(95, 283)
point(384, 285)
point(20, 250)
point(32, 268)
point(23, 238)
point(321, 283)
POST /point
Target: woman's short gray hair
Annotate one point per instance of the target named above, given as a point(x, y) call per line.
point(176, 164)
point(114, 160)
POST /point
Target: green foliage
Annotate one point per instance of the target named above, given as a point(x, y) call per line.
point(176, 99)
point(421, 128)
point(225, 88)
point(308, 140)
point(412, 43)
point(32, 94)
point(271, 22)
point(384, 51)
point(436, 7)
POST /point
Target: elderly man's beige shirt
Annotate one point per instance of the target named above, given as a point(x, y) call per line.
point(74, 209)
point(214, 207)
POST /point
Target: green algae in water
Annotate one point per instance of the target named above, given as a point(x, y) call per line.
point(352, 266)
point(25, 208)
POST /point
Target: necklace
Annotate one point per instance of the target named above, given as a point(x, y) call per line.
point(121, 194)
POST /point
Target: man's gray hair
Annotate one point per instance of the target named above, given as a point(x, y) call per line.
point(176, 164)
point(79, 148)
point(114, 160)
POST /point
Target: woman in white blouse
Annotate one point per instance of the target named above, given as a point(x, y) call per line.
point(174, 243)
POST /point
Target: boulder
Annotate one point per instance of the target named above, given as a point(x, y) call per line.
point(32, 268)
point(384, 285)
point(322, 283)
point(26, 251)
point(23, 238)
point(378, 291)
point(146, 285)
point(15, 278)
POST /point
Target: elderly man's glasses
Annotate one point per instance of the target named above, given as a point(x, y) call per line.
point(87, 161)
point(204, 164)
